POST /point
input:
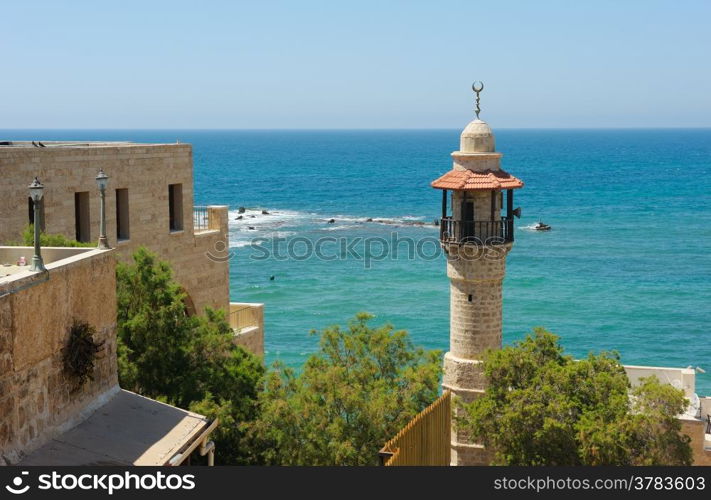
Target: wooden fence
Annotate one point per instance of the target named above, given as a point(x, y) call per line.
point(425, 440)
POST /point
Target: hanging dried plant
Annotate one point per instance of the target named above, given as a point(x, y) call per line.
point(81, 352)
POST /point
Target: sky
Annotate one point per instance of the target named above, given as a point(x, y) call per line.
point(354, 64)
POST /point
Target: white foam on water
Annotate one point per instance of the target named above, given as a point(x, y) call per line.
point(532, 227)
point(283, 223)
point(253, 217)
point(331, 227)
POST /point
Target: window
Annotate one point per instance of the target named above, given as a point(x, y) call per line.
point(81, 216)
point(31, 208)
point(175, 202)
point(122, 231)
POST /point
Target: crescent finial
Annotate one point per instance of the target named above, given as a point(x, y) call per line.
point(477, 87)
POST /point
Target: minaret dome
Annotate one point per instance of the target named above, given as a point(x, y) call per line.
point(477, 137)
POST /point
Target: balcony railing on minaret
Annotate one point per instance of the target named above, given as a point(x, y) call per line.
point(476, 232)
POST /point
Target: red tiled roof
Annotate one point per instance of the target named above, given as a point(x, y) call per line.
point(466, 180)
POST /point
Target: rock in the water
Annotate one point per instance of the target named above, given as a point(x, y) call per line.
point(369, 219)
point(251, 228)
point(241, 210)
point(252, 216)
point(331, 221)
point(264, 212)
point(239, 217)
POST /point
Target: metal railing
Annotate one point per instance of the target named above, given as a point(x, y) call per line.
point(476, 232)
point(201, 219)
point(425, 440)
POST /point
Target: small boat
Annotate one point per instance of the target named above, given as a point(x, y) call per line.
point(542, 227)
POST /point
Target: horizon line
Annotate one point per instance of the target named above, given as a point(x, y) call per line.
point(323, 129)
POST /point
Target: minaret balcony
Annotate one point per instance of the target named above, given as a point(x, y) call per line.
point(476, 232)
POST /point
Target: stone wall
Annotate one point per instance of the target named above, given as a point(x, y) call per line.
point(198, 259)
point(251, 340)
point(695, 429)
point(37, 400)
point(476, 275)
point(482, 204)
point(249, 332)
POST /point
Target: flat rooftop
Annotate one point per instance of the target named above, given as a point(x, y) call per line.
point(71, 144)
point(128, 430)
point(12, 269)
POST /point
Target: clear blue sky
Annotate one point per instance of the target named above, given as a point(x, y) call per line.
point(354, 64)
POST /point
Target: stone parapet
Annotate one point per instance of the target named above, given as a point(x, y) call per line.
point(38, 400)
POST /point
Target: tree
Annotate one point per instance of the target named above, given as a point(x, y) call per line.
point(541, 407)
point(187, 361)
point(361, 387)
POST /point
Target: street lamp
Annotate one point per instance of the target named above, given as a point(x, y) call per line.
point(36, 192)
point(102, 180)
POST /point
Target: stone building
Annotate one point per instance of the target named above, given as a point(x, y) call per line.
point(476, 238)
point(47, 416)
point(149, 202)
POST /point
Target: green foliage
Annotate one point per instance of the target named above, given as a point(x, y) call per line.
point(187, 361)
point(80, 353)
point(361, 387)
point(48, 240)
point(541, 407)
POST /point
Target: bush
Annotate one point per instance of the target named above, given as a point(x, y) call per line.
point(48, 240)
point(541, 407)
point(361, 387)
point(81, 352)
point(187, 361)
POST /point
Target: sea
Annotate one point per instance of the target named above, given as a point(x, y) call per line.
point(336, 222)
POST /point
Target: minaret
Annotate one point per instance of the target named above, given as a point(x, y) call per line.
point(476, 239)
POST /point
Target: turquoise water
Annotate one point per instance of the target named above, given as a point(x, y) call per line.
point(626, 266)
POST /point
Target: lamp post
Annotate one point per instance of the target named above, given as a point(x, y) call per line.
point(102, 180)
point(36, 192)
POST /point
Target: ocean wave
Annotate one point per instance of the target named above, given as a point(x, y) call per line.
point(331, 227)
point(264, 222)
point(253, 216)
point(405, 220)
point(245, 238)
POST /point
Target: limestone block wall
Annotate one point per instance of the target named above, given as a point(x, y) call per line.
point(476, 275)
point(705, 404)
point(251, 340)
point(146, 171)
point(695, 429)
point(249, 329)
point(37, 400)
point(482, 205)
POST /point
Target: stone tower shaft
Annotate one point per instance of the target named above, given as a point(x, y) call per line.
point(476, 238)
